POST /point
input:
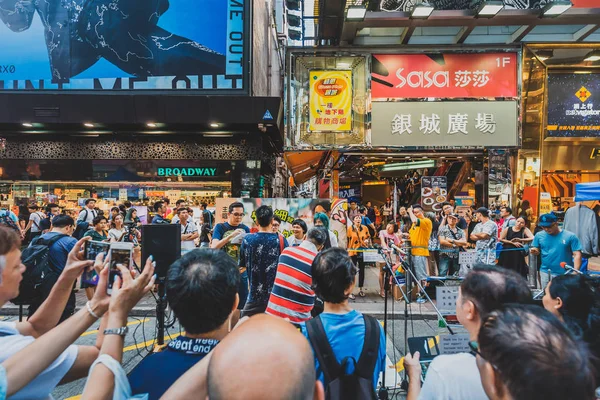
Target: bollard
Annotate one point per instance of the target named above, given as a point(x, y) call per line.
point(532, 276)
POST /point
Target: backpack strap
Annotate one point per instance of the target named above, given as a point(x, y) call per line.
point(320, 344)
point(281, 243)
point(48, 242)
point(370, 351)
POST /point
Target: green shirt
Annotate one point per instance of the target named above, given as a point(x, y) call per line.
point(95, 235)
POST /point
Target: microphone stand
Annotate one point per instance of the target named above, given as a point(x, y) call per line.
point(387, 269)
point(430, 301)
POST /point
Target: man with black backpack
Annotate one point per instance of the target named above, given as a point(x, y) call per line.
point(85, 218)
point(9, 219)
point(52, 248)
point(349, 347)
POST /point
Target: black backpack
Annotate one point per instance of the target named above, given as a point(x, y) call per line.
point(81, 227)
point(338, 384)
point(36, 259)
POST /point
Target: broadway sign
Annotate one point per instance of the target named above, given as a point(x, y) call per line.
point(441, 124)
point(449, 76)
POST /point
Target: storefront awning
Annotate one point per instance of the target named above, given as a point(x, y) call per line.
point(303, 164)
point(587, 191)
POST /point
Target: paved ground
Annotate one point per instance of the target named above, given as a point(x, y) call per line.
point(422, 321)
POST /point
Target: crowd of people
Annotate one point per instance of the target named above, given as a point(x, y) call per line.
point(282, 307)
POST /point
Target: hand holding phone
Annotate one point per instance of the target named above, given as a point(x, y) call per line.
point(120, 254)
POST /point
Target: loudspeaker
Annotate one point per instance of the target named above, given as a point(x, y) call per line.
point(163, 243)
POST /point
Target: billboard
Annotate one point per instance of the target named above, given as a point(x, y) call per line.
point(573, 105)
point(439, 123)
point(330, 101)
point(412, 76)
point(289, 210)
point(124, 44)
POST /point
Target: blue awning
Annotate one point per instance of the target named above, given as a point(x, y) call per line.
point(587, 191)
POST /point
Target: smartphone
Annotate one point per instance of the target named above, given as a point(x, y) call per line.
point(120, 253)
point(93, 248)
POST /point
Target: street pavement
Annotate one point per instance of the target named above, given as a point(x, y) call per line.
point(139, 341)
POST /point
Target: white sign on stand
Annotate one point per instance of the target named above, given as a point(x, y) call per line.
point(467, 257)
point(372, 256)
point(122, 194)
point(454, 344)
point(446, 299)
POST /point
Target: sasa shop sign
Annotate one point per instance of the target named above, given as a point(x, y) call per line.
point(186, 171)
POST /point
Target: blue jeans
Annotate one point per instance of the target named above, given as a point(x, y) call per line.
point(448, 264)
point(243, 289)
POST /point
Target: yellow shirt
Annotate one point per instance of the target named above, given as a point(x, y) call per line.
point(419, 237)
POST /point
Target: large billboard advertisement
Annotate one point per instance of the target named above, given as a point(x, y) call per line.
point(412, 76)
point(331, 101)
point(124, 44)
point(574, 105)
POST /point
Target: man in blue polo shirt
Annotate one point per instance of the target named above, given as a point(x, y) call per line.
point(202, 291)
point(556, 246)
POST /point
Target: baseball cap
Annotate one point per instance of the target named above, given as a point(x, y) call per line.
point(547, 220)
point(454, 216)
point(483, 210)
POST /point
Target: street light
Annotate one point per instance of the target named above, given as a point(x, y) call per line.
point(356, 13)
point(556, 8)
point(422, 10)
point(592, 56)
point(489, 9)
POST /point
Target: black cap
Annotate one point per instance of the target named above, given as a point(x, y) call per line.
point(483, 210)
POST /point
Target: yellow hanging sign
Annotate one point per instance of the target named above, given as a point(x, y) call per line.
point(330, 101)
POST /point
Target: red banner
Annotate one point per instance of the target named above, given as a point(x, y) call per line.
point(410, 76)
point(586, 3)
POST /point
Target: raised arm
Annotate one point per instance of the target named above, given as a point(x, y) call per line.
point(48, 314)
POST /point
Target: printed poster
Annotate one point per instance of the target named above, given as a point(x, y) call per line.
point(433, 192)
point(289, 210)
point(330, 98)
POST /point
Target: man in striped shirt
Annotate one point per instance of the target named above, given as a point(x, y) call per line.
point(292, 296)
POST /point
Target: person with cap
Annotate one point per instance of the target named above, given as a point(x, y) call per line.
point(485, 236)
point(556, 246)
point(452, 239)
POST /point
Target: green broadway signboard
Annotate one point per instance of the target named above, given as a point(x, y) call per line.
point(166, 172)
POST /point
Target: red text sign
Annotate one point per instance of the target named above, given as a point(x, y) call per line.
point(409, 76)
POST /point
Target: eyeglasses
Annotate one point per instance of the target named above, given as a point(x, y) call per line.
point(238, 214)
point(474, 346)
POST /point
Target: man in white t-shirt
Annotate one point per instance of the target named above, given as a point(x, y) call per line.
point(456, 376)
point(189, 231)
point(88, 213)
point(75, 361)
point(35, 217)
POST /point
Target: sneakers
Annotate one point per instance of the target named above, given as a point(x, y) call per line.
point(421, 300)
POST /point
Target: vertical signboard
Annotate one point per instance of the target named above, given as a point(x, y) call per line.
point(545, 203)
point(573, 106)
point(330, 98)
point(434, 192)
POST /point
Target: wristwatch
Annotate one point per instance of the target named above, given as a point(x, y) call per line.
point(122, 331)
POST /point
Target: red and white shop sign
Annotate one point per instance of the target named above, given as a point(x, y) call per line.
point(410, 76)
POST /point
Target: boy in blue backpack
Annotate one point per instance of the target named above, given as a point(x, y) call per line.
point(345, 332)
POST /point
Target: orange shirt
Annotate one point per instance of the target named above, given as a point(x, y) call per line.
point(357, 238)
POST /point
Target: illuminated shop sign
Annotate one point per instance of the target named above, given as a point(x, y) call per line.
point(573, 109)
point(187, 171)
